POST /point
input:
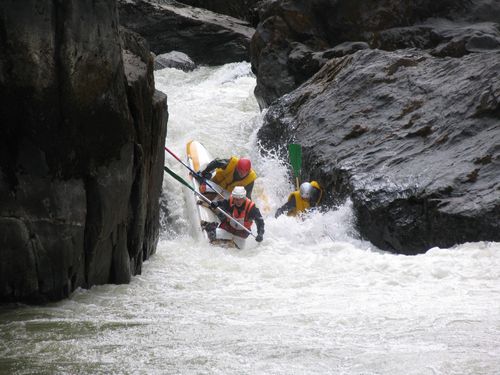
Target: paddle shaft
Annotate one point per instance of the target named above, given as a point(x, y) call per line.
point(182, 181)
point(191, 169)
point(295, 153)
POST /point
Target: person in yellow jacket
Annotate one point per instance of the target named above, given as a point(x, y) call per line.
point(309, 195)
point(230, 173)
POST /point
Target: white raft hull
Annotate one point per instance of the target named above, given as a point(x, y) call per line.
point(197, 158)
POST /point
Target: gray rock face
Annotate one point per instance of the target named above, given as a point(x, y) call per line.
point(308, 29)
point(410, 136)
point(413, 140)
point(208, 38)
point(174, 59)
point(80, 149)
point(242, 9)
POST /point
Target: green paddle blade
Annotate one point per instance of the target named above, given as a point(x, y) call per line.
point(295, 154)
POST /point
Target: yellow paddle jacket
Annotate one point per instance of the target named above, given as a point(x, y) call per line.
point(224, 177)
point(302, 204)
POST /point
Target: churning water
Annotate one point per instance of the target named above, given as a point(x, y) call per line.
point(310, 299)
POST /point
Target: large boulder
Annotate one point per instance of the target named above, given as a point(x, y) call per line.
point(176, 60)
point(294, 39)
point(80, 149)
point(206, 37)
point(412, 139)
point(410, 136)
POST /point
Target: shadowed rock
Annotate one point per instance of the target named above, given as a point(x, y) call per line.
point(206, 37)
point(242, 9)
point(314, 31)
point(80, 149)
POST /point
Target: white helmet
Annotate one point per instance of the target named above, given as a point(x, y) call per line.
point(306, 190)
point(239, 192)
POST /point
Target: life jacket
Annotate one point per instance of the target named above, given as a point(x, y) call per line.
point(225, 177)
point(302, 204)
point(240, 217)
point(315, 185)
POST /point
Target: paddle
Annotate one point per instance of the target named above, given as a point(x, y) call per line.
point(295, 154)
point(185, 183)
point(192, 170)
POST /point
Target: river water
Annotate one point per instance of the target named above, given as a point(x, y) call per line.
point(312, 298)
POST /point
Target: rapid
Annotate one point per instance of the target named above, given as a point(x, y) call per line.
point(312, 298)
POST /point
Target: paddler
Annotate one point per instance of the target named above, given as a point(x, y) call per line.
point(230, 173)
point(244, 211)
point(309, 195)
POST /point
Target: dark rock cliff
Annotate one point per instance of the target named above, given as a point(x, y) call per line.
point(410, 131)
point(81, 151)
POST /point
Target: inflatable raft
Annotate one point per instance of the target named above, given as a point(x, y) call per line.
point(199, 214)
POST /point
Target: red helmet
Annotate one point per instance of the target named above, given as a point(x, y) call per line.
point(243, 167)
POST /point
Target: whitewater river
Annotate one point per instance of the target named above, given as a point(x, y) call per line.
point(312, 298)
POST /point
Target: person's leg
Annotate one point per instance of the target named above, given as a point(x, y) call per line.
point(210, 229)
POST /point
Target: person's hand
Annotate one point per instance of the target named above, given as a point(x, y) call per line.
point(279, 211)
point(259, 238)
point(197, 176)
point(214, 204)
point(206, 175)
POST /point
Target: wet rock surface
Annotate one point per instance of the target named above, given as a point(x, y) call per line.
point(291, 31)
point(401, 114)
point(206, 37)
point(174, 59)
point(242, 9)
point(80, 149)
point(412, 139)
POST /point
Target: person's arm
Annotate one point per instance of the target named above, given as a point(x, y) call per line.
point(224, 206)
point(288, 206)
point(256, 216)
point(249, 189)
point(313, 202)
point(214, 164)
